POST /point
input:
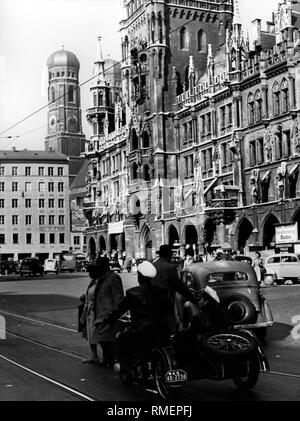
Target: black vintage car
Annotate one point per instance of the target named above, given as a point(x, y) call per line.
point(238, 289)
point(31, 266)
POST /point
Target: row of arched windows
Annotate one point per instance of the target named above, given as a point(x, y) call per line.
point(70, 94)
point(135, 140)
point(145, 173)
point(185, 40)
point(280, 94)
point(280, 102)
point(255, 112)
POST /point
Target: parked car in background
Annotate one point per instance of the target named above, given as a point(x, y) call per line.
point(8, 266)
point(238, 289)
point(31, 266)
point(51, 265)
point(81, 262)
point(67, 262)
point(284, 268)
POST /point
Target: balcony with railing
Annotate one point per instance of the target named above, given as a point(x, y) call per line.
point(200, 91)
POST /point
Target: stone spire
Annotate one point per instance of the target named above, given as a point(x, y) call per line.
point(99, 64)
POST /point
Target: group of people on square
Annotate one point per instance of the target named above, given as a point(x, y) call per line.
point(151, 305)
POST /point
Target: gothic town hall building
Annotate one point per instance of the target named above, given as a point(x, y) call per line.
point(196, 132)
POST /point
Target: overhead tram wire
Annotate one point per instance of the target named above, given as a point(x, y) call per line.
point(13, 138)
point(83, 83)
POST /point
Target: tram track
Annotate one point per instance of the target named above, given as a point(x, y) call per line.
point(40, 322)
point(60, 385)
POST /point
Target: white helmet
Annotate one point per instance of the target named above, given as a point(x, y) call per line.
point(147, 269)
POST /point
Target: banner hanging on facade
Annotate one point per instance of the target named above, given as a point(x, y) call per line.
point(116, 227)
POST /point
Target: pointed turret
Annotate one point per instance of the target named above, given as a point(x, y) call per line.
point(236, 17)
point(99, 64)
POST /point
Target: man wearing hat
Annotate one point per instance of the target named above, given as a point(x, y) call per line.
point(103, 294)
point(149, 307)
point(167, 278)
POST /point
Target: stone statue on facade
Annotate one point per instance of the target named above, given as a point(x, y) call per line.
point(254, 185)
point(295, 136)
point(281, 173)
point(178, 195)
point(268, 144)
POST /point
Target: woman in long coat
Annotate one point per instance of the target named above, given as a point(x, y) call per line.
point(103, 295)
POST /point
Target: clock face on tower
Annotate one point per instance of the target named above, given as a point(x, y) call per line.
point(52, 122)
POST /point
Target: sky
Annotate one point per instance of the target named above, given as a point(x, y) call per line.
point(31, 30)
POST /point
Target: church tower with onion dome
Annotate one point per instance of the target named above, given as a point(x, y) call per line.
point(64, 133)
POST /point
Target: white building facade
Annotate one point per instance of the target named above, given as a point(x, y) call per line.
point(34, 204)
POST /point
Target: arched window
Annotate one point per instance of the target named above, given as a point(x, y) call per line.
point(134, 141)
point(100, 99)
point(186, 78)
point(52, 94)
point(146, 173)
point(202, 42)
point(276, 99)
point(71, 94)
point(153, 28)
point(95, 99)
point(184, 39)
point(160, 30)
point(285, 96)
point(146, 140)
point(258, 106)
point(251, 109)
point(134, 171)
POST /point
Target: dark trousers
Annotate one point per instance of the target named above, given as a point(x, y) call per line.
point(109, 351)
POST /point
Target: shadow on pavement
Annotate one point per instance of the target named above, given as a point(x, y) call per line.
point(279, 331)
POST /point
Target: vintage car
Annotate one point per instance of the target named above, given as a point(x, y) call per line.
point(283, 268)
point(31, 266)
point(238, 289)
point(51, 265)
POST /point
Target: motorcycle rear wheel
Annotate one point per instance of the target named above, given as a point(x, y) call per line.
point(160, 369)
point(249, 381)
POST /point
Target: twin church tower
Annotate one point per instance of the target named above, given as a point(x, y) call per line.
point(64, 133)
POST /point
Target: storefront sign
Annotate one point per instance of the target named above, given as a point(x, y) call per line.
point(287, 248)
point(116, 228)
point(287, 233)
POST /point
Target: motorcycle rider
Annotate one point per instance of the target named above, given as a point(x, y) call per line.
point(149, 308)
point(167, 277)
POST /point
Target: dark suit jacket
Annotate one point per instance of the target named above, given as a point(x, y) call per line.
point(167, 277)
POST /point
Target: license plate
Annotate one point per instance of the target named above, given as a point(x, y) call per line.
point(176, 376)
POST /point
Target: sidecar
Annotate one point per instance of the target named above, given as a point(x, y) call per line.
point(221, 355)
point(238, 289)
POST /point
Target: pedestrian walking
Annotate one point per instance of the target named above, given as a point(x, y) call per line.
point(103, 295)
point(258, 266)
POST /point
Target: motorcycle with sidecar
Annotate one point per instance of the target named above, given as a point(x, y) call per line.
point(235, 354)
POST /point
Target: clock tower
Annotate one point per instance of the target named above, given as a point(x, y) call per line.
point(64, 132)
